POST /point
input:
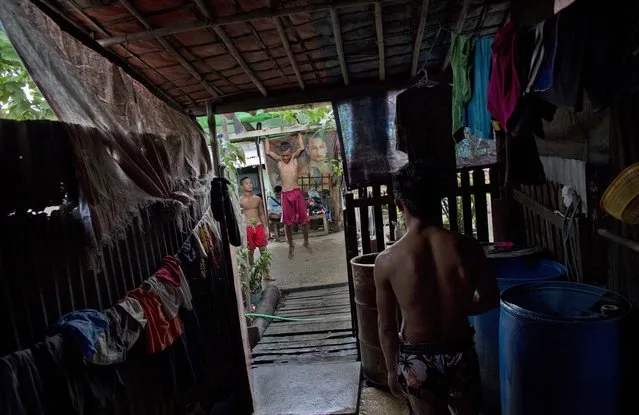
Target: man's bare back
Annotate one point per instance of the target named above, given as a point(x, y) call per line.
point(431, 272)
point(437, 279)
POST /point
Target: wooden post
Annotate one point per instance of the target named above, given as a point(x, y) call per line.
point(215, 144)
point(260, 175)
point(350, 237)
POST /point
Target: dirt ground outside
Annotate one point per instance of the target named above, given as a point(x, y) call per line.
point(326, 266)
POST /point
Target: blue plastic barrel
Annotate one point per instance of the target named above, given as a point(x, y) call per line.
point(509, 270)
point(560, 349)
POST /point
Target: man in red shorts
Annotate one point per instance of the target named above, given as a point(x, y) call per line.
point(254, 219)
point(294, 210)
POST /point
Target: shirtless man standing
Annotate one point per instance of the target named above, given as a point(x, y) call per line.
point(254, 219)
point(294, 210)
point(437, 278)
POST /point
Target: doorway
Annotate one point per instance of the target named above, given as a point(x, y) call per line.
point(307, 360)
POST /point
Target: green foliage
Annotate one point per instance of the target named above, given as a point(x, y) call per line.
point(251, 276)
point(231, 155)
point(336, 166)
point(321, 116)
point(20, 99)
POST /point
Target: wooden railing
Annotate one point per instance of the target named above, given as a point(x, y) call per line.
point(541, 209)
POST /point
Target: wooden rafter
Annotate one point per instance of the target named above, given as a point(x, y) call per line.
point(233, 19)
point(339, 45)
point(379, 29)
point(171, 50)
point(219, 31)
point(312, 94)
point(302, 44)
point(238, 9)
point(423, 13)
point(458, 28)
point(289, 51)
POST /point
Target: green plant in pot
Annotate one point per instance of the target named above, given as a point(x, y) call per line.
point(252, 275)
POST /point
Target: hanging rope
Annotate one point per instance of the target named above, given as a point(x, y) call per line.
point(569, 243)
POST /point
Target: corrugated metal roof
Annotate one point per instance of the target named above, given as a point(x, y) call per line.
point(250, 152)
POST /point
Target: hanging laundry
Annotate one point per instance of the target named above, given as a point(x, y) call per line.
point(223, 209)
point(113, 344)
point(190, 257)
point(173, 298)
point(214, 234)
point(169, 271)
point(21, 389)
point(504, 87)
point(571, 34)
point(423, 122)
point(161, 331)
point(461, 62)
point(134, 309)
point(83, 326)
point(542, 65)
point(479, 122)
point(72, 387)
point(170, 284)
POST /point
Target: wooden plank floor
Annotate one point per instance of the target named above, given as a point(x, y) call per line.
point(329, 339)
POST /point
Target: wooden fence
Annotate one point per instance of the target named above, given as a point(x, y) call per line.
point(43, 276)
point(320, 183)
point(541, 209)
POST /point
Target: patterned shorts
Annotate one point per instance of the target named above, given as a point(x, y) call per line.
point(440, 371)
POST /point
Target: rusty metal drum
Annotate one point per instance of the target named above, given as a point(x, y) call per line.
point(373, 365)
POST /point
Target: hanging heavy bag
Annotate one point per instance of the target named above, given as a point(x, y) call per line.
point(222, 208)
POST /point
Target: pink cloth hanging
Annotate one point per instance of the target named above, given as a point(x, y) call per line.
point(503, 87)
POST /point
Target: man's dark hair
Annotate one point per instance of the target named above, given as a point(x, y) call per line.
point(243, 179)
point(285, 145)
point(277, 189)
point(419, 187)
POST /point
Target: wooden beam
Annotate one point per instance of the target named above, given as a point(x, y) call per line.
point(250, 136)
point(339, 45)
point(171, 50)
point(219, 31)
point(323, 93)
point(204, 8)
point(289, 51)
point(379, 29)
point(459, 27)
point(620, 240)
point(423, 14)
point(233, 19)
point(267, 51)
point(539, 209)
point(260, 175)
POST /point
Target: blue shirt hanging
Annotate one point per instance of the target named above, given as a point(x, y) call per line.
point(478, 118)
point(83, 326)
